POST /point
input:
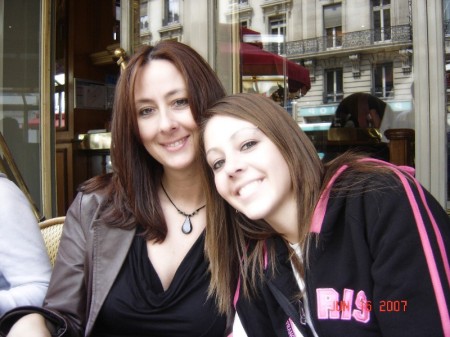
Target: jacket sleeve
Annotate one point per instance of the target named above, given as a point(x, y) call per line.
point(410, 265)
point(24, 264)
point(66, 303)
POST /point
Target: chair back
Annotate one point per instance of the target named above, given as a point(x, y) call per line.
point(51, 230)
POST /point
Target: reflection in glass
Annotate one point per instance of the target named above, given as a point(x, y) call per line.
point(171, 11)
point(20, 92)
point(60, 101)
point(383, 80)
point(382, 20)
point(332, 16)
point(60, 66)
point(334, 84)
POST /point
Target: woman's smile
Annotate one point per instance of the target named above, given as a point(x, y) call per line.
point(249, 188)
point(176, 145)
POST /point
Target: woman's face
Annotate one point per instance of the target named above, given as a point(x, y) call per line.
point(166, 125)
point(250, 172)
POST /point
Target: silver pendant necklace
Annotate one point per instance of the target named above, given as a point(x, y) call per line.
point(186, 228)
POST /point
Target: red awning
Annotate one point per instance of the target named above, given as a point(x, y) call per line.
point(258, 62)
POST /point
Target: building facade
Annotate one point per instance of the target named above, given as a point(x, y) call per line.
point(348, 46)
point(394, 50)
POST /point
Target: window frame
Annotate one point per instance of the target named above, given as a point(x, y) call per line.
point(380, 70)
point(332, 27)
point(277, 26)
point(169, 17)
point(335, 95)
point(383, 10)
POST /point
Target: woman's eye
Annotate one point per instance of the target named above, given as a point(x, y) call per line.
point(217, 164)
point(248, 145)
point(146, 111)
point(181, 103)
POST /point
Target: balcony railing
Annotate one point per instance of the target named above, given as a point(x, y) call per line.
point(352, 40)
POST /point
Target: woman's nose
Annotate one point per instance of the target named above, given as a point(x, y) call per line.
point(166, 121)
point(234, 166)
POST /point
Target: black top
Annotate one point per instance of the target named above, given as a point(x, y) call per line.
point(137, 304)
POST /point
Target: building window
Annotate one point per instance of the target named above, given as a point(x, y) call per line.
point(116, 28)
point(381, 20)
point(171, 12)
point(277, 29)
point(143, 23)
point(446, 4)
point(333, 86)
point(383, 76)
point(332, 18)
point(143, 17)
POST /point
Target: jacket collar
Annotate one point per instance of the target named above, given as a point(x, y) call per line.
point(111, 246)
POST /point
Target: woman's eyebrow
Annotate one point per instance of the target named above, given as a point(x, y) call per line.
point(234, 135)
point(168, 95)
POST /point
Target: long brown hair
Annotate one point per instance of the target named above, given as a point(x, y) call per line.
point(132, 188)
point(228, 233)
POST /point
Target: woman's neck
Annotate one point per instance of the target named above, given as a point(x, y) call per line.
point(184, 187)
point(285, 220)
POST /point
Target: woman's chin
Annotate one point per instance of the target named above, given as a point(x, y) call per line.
point(253, 215)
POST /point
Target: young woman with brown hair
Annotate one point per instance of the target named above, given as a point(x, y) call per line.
point(353, 248)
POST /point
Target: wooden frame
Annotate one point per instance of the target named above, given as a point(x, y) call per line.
point(47, 123)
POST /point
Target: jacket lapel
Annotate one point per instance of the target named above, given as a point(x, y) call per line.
point(111, 246)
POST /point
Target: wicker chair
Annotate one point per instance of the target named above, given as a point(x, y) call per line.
point(51, 230)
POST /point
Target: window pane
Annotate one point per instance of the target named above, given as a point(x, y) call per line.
point(389, 79)
point(330, 82)
point(20, 115)
point(172, 10)
point(376, 19)
point(339, 82)
point(332, 16)
point(387, 17)
point(378, 81)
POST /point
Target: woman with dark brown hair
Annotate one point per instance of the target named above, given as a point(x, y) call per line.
point(353, 248)
point(131, 259)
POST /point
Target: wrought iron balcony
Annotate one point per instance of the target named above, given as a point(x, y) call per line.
point(352, 40)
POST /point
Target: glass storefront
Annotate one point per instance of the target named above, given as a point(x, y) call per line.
point(20, 95)
point(368, 74)
point(359, 59)
point(346, 61)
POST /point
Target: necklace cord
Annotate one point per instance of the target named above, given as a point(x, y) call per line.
point(180, 211)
